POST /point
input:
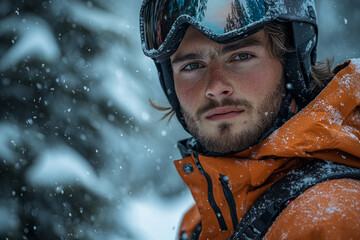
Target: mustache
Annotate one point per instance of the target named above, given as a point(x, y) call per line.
point(225, 102)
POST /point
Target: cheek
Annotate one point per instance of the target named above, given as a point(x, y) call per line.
point(187, 94)
point(263, 79)
point(251, 84)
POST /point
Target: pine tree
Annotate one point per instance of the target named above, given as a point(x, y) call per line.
point(72, 150)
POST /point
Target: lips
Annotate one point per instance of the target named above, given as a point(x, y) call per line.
point(223, 113)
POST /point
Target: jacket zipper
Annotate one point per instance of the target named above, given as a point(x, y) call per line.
point(229, 199)
point(211, 199)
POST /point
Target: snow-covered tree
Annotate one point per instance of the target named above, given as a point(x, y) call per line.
point(76, 129)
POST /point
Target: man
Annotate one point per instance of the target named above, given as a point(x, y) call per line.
point(241, 78)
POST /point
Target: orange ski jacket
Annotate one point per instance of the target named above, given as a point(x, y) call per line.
point(224, 188)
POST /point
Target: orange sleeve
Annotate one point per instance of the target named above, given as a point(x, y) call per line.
point(329, 210)
point(190, 221)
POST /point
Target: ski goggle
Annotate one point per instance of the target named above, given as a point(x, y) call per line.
point(164, 22)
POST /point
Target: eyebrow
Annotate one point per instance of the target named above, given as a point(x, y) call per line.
point(249, 42)
point(182, 58)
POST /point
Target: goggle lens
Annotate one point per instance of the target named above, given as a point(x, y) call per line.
point(218, 16)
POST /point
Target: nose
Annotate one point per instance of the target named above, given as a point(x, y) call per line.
point(218, 87)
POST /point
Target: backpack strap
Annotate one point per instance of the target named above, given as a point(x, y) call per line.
point(257, 221)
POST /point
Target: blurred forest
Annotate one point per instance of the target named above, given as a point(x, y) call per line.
point(79, 141)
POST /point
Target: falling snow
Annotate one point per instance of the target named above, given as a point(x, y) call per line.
point(82, 153)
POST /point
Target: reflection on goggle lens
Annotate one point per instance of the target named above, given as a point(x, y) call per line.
point(218, 16)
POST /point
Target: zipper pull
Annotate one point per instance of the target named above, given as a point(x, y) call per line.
point(198, 165)
point(224, 180)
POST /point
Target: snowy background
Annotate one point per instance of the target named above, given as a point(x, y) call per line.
point(82, 153)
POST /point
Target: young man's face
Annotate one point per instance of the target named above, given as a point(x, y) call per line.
point(229, 93)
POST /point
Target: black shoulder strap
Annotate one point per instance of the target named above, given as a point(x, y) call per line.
point(263, 213)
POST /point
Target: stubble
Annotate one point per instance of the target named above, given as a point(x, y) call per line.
point(225, 140)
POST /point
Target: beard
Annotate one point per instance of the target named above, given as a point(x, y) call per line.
point(228, 140)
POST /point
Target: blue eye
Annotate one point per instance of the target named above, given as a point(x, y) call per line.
point(193, 66)
point(242, 56)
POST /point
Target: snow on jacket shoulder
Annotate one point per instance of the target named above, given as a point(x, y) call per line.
point(329, 210)
point(224, 188)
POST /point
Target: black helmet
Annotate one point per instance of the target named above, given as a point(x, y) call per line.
point(163, 24)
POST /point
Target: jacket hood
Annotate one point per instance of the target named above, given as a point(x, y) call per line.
point(328, 126)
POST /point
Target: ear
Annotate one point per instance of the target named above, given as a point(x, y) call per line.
point(294, 107)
